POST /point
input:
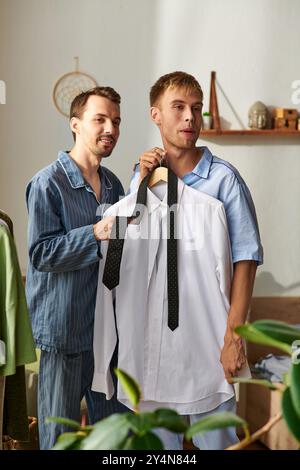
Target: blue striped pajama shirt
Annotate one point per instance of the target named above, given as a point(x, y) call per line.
point(61, 286)
point(64, 255)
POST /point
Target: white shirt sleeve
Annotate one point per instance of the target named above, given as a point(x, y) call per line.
point(105, 335)
point(222, 250)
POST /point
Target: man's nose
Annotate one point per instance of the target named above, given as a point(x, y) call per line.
point(189, 116)
point(109, 127)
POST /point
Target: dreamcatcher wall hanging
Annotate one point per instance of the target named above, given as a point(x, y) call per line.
point(70, 85)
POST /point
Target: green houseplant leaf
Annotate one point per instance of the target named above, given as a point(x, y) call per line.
point(278, 330)
point(67, 422)
point(169, 419)
point(108, 434)
point(217, 421)
point(290, 414)
point(140, 423)
point(160, 418)
point(295, 388)
point(130, 386)
point(69, 441)
point(263, 382)
point(148, 441)
point(254, 335)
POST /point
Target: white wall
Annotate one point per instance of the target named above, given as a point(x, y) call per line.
point(128, 44)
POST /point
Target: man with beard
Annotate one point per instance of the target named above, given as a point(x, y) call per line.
point(65, 233)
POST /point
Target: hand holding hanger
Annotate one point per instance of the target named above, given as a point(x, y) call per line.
point(150, 160)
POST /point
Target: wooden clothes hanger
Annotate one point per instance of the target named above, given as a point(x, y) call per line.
point(159, 174)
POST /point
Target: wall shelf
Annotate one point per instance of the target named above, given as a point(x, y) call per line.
point(216, 130)
point(249, 132)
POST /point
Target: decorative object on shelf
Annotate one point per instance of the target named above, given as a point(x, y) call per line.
point(216, 130)
point(70, 85)
point(206, 120)
point(213, 103)
point(258, 116)
point(285, 119)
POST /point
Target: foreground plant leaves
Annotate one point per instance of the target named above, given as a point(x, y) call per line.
point(67, 422)
point(161, 418)
point(130, 386)
point(108, 434)
point(263, 382)
point(278, 330)
point(295, 388)
point(290, 414)
point(148, 441)
point(217, 421)
point(65, 441)
point(141, 422)
point(254, 335)
point(169, 419)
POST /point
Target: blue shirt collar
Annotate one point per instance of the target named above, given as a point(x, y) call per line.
point(72, 171)
point(203, 166)
point(74, 174)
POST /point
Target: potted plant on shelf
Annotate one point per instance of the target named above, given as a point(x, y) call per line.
point(206, 119)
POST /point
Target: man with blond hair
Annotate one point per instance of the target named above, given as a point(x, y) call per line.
point(176, 101)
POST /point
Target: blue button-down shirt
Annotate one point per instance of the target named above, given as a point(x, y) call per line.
point(221, 180)
point(64, 255)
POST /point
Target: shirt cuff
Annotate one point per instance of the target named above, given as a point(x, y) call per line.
point(248, 257)
point(99, 249)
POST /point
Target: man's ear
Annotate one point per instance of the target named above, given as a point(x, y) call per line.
point(74, 125)
point(155, 115)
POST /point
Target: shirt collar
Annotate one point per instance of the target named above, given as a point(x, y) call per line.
point(153, 202)
point(72, 171)
point(203, 166)
point(75, 176)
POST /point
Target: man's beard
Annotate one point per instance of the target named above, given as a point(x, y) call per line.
point(107, 155)
point(102, 153)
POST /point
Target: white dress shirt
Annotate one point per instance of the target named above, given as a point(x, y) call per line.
point(178, 369)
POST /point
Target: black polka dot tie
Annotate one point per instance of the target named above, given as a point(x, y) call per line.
point(111, 274)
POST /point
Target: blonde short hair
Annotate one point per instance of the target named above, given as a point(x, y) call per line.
point(174, 80)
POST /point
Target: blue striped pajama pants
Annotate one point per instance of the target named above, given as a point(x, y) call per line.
point(64, 379)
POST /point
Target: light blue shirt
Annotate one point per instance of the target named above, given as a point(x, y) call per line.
point(64, 255)
point(221, 180)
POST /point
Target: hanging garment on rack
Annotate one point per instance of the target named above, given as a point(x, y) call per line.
point(2, 392)
point(177, 368)
point(16, 333)
point(15, 415)
point(15, 324)
point(111, 274)
point(3, 221)
point(5, 218)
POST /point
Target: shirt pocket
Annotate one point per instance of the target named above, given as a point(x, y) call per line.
point(133, 232)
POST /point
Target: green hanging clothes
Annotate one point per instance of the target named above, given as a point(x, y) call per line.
point(15, 326)
point(8, 221)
